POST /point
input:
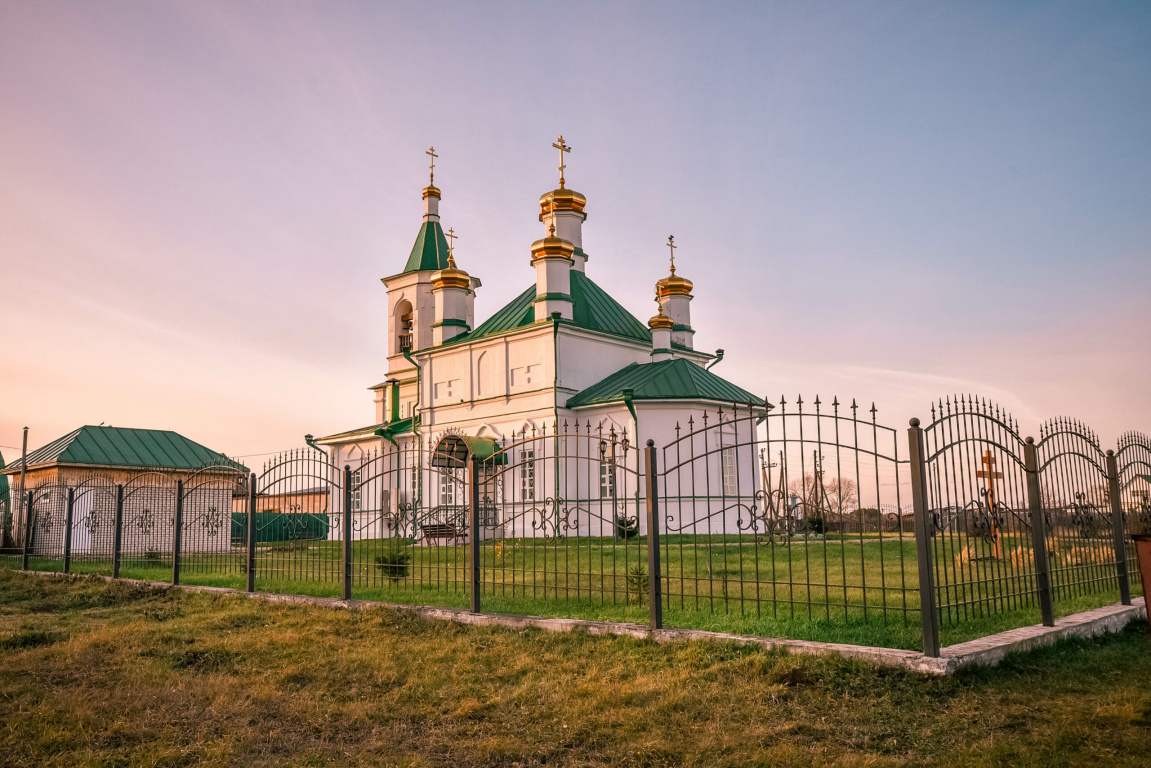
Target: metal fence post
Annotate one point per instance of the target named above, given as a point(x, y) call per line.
point(654, 581)
point(1118, 529)
point(118, 533)
point(474, 528)
point(176, 532)
point(68, 530)
point(347, 532)
point(1038, 533)
point(29, 527)
point(251, 538)
point(923, 540)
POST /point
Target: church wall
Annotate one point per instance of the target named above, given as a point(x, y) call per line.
point(586, 359)
point(503, 381)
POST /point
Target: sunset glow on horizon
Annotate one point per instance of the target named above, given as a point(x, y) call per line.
point(893, 203)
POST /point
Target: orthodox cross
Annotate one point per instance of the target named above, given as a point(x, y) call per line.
point(672, 246)
point(431, 151)
point(559, 144)
point(451, 235)
point(990, 475)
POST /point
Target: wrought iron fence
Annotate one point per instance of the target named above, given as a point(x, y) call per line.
point(788, 513)
point(791, 512)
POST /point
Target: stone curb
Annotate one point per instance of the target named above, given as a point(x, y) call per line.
point(987, 651)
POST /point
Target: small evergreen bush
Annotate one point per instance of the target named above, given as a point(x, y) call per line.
point(395, 562)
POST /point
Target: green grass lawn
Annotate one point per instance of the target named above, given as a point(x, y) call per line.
point(97, 674)
point(853, 589)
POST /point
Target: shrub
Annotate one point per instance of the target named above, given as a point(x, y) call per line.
point(395, 562)
point(637, 583)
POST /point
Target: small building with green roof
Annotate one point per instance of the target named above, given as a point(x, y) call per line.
point(148, 464)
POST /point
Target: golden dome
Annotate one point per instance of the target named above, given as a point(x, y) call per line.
point(450, 277)
point(552, 247)
point(561, 199)
point(674, 285)
point(660, 321)
point(431, 191)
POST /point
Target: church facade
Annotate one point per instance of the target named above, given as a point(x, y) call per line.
point(562, 358)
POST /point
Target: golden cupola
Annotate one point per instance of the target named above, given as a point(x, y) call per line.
point(451, 277)
point(552, 247)
point(660, 321)
point(563, 208)
point(453, 291)
point(674, 296)
point(661, 334)
point(673, 284)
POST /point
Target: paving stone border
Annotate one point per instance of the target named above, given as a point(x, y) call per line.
point(987, 651)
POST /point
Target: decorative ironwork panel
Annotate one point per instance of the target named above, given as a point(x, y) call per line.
point(800, 511)
point(982, 552)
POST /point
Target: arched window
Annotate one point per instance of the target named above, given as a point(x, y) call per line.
point(403, 326)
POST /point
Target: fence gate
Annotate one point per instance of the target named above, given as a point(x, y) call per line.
point(149, 519)
point(409, 523)
point(213, 522)
point(1086, 544)
point(560, 512)
point(90, 548)
point(296, 523)
point(982, 548)
point(1133, 461)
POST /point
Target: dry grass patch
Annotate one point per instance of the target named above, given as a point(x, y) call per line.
point(100, 675)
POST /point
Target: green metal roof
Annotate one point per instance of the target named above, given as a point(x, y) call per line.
point(121, 447)
point(430, 250)
point(391, 427)
point(677, 379)
point(592, 309)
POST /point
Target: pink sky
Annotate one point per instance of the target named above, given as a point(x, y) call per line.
point(197, 199)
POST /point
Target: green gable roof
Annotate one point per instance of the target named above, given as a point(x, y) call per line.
point(135, 448)
point(592, 309)
point(430, 250)
point(677, 379)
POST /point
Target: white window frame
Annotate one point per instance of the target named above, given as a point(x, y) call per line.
point(357, 490)
point(448, 483)
point(608, 482)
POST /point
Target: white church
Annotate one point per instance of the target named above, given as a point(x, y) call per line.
point(563, 352)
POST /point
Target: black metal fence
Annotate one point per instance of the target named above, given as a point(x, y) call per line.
point(795, 518)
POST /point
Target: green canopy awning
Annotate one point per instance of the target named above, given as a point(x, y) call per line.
point(452, 452)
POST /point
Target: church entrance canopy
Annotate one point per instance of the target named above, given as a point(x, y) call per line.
point(453, 450)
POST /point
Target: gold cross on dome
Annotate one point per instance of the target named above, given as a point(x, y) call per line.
point(559, 144)
point(431, 151)
point(672, 246)
point(451, 235)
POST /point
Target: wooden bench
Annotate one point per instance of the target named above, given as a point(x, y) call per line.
point(440, 531)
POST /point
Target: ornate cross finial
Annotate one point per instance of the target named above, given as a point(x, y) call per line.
point(551, 230)
point(559, 144)
point(451, 235)
point(431, 151)
point(672, 246)
point(657, 301)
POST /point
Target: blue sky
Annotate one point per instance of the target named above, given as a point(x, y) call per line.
point(888, 201)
